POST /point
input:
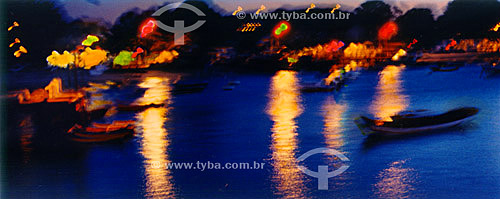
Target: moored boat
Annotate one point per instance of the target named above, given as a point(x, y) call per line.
point(415, 122)
point(97, 132)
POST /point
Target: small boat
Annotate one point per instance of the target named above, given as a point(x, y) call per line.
point(137, 107)
point(321, 86)
point(415, 122)
point(309, 88)
point(97, 132)
point(444, 68)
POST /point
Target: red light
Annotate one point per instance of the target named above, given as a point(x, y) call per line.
point(148, 28)
point(387, 31)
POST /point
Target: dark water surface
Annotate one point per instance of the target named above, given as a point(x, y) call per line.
point(267, 120)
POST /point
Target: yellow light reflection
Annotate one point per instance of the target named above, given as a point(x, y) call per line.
point(395, 181)
point(389, 99)
point(157, 91)
point(284, 106)
point(332, 113)
point(154, 139)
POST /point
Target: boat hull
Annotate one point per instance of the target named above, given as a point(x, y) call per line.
point(409, 124)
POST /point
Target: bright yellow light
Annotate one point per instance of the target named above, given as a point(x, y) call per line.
point(15, 24)
point(335, 8)
point(154, 140)
point(56, 59)
point(16, 41)
point(237, 10)
point(262, 7)
point(388, 98)
point(90, 58)
point(20, 51)
point(165, 57)
point(310, 7)
point(284, 106)
point(496, 27)
point(399, 54)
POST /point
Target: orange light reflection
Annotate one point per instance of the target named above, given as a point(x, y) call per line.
point(154, 139)
point(389, 99)
point(284, 106)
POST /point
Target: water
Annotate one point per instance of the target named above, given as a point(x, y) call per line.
point(267, 120)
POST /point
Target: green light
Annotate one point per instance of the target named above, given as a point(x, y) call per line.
point(280, 29)
point(90, 40)
point(124, 58)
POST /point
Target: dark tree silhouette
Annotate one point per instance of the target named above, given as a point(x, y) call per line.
point(370, 16)
point(417, 23)
point(469, 19)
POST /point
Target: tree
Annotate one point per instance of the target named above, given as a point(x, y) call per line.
point(370, 16)
point(469, 19)
point(417, 23)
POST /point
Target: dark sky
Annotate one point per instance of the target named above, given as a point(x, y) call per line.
point(110, 10)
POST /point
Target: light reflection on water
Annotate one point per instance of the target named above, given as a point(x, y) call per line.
point(333, 127)
point(154, 138)
point(284, 107)
point(389, 99)
point(27, 131)
point(395, 181)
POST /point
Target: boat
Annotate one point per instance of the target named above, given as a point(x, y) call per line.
point(415, 122)
point(445, 67)
point(97, 132)
point(315, 87)
point(137, 107)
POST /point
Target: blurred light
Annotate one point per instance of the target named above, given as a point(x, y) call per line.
point(20, 51)
point(91, 39)
point(14, 25)
point(90, 58)
point(237, 10)
point(16, 41)
point(262, 7)
point(336, 8)
point(451, 44)
point(124, 58)
point(62, 61)
point(387, 31)
point(138, 51)
point(496, 27)
point(281, 29)
point(413, 42)
point(310, 7)
point(399, 54)
point(148, 28)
